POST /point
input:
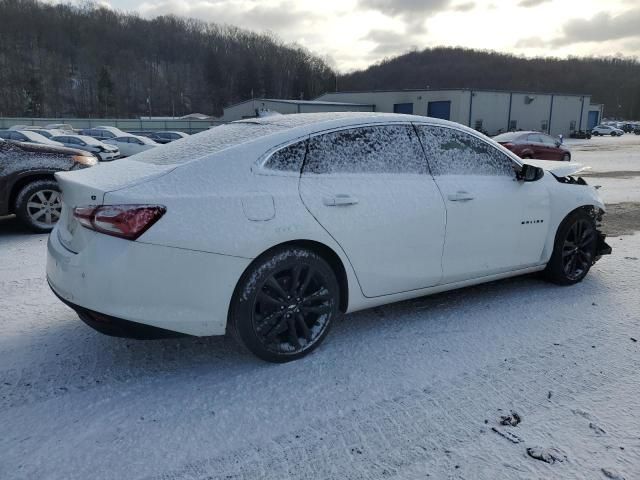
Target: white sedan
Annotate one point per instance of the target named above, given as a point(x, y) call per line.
point(132, 144)
point(270, 227)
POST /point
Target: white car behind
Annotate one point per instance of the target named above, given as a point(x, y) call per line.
point(104, 152)
point(268, 228)
point(132, 144)
point(27, 136)
point(607, 130)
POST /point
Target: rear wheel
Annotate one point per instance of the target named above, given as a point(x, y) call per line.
point(39, 205)
point(284, 305)
point(574, 249)
point(566, 157)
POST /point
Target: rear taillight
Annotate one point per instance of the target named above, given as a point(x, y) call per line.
point(124, 221)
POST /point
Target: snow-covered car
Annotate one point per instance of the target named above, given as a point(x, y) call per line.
point(269, 227)
point(102, 132)
point(167, 137)
point(45, 132)
point(28, 136)
point(131, 144)
point(65, 127)
point(103, 151)
point(606, 130)
point(27, 186)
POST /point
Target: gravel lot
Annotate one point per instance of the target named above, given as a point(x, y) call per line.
point(515, 379)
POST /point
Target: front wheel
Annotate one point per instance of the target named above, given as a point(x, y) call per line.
point(284, 304)
point(574, 249)
point(566, 157)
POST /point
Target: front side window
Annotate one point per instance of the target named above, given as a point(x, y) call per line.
point(374, 149)
point(288, 159)
point(453, 152)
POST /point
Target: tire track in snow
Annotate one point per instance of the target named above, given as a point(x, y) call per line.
point(423, 430)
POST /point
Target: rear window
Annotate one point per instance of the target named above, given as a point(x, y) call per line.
point(211, 141)
point(507, 137)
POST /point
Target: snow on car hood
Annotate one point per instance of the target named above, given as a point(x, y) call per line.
point(559, 169)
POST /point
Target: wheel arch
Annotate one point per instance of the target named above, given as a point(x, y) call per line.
point(326, 252)
point(22, 182)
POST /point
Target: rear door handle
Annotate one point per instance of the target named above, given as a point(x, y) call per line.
point(460, 196)
point(339, 200)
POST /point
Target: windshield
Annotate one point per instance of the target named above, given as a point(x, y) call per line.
point(207, 142)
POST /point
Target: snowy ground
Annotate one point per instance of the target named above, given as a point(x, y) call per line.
point(410, 391)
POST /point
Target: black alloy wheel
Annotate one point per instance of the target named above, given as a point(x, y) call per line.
point(285, 305)
point(574, 249)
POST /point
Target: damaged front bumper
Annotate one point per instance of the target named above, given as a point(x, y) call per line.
point(602, 247)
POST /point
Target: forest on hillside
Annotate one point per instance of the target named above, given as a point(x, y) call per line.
point(64, 60)
point(89, 61)
point(615, 82)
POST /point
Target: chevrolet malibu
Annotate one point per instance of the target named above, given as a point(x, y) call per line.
point(269, 228)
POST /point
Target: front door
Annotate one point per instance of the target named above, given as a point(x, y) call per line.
point(370, 189)
point(495, 223)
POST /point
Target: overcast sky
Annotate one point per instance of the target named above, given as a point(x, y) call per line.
point(356, 33)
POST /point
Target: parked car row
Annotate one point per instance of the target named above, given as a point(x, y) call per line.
point(107, 137)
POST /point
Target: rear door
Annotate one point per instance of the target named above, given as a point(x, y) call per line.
point(495, 223)
point(370, 188)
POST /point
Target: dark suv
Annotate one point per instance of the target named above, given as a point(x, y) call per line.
point(534, 145)
point(27, 185)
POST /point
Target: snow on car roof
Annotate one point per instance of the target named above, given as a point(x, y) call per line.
point(249, 130)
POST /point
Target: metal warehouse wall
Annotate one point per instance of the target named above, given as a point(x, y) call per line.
point(385, 101)
point(490, 111)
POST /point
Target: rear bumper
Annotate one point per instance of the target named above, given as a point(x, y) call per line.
point(168, 288)
point(117, 327)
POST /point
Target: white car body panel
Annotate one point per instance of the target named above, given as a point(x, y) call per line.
point(414, 223)
point(224, 209)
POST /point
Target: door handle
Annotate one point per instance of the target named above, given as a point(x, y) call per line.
point(339, 200)
point(460, 196)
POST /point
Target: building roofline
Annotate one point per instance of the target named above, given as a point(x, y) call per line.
point(458, 90)
point(300, 102)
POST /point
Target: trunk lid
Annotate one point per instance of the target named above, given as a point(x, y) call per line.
point(89, 187)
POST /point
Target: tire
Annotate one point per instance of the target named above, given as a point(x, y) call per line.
point(595, 134)
point(571, 260)
point(284, 304)
point(566, 157)
point(38, 205)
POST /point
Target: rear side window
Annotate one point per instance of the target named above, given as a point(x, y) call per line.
point(288, 159)
point(453, 152)
point(374, 149)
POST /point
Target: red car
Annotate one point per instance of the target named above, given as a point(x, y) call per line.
point(534, 145)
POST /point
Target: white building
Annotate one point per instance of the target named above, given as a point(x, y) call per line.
point(251, 108)
point(486, 110)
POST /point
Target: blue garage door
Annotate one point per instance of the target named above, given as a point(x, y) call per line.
point(439, 110)
point(594, 118)
point(403, 108)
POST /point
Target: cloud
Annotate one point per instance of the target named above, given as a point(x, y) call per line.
point(412, 12)
point(389, 42)
point(464, 7)
point(254, 15)
point(532, 3)
point(600, 28)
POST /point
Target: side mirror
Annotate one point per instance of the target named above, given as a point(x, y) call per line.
point(529, 173)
